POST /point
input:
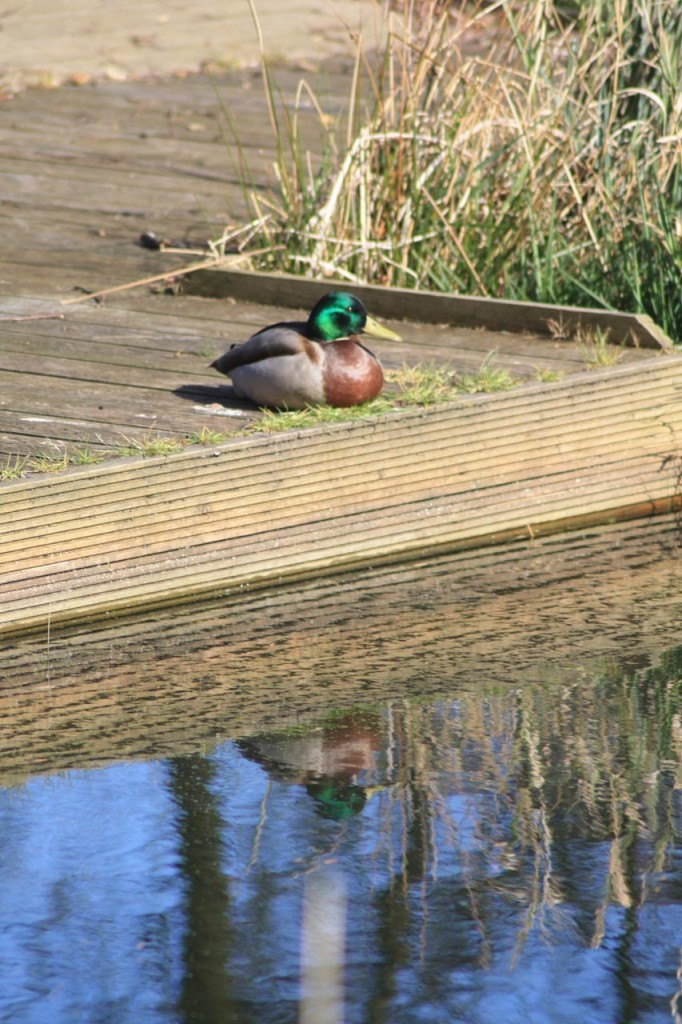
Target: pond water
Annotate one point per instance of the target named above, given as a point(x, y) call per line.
point(465, 840)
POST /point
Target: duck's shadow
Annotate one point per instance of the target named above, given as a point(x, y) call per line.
point(215, 398)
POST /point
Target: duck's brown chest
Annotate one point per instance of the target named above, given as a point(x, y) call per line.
point(351, 374)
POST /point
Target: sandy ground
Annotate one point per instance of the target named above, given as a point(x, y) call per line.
point(46, 44)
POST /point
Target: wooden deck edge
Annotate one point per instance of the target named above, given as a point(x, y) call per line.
point(111, 539)
point(49, 616)
point(429, 307)
point(96, 694)
point(42, 486)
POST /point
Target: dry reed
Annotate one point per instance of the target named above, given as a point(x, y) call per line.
point(548, 169)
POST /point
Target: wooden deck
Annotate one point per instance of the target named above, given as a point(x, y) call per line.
point(116, 375)
point(89, 169)
point(102, 539)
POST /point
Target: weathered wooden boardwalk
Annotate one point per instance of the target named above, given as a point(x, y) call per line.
point(88, 168)
point(91, 168)
point(86, 171)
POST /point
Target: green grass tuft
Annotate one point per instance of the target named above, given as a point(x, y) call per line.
point(546, 376)
point(14, 467)
point(408, 386)
point(595, 349)
point(207, 437)
point(151, 446)
point(487, 378)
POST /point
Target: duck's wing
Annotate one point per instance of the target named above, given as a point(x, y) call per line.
point(285, 339)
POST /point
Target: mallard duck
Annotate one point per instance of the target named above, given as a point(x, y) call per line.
point(322, 361)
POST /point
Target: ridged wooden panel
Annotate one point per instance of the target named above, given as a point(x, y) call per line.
point(178, 681)
point(117, 536)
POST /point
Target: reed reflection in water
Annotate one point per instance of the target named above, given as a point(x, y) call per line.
point(500, 854)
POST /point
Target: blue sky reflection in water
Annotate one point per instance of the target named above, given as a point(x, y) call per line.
point(512, 855)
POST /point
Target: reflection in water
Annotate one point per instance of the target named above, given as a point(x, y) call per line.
point(328, 759)
point(206, 989)
point(504, 855)
point(323, 939)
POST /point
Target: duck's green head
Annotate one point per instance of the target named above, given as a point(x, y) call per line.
point(340, 315)
point(336, 800)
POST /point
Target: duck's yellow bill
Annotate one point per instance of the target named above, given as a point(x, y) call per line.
point(378, 330)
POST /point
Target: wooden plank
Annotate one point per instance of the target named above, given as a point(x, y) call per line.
point(157, 683)
point(479, 425)
point(73, 272)
point(165, 128)
point(87, 189)
point(261, 541)
point(234, 505)
point(126, 584)
point(142, 432)
point(107, 404)
point(85, 355)
point(472, 473)
point(524, 420)
point(195, 143)
point(98, 39)
point(28, 176)
point(431, 307)
point(143, 314)
point(37, 351)
point(44, 227)
point(173, 96)
point(163, 374)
